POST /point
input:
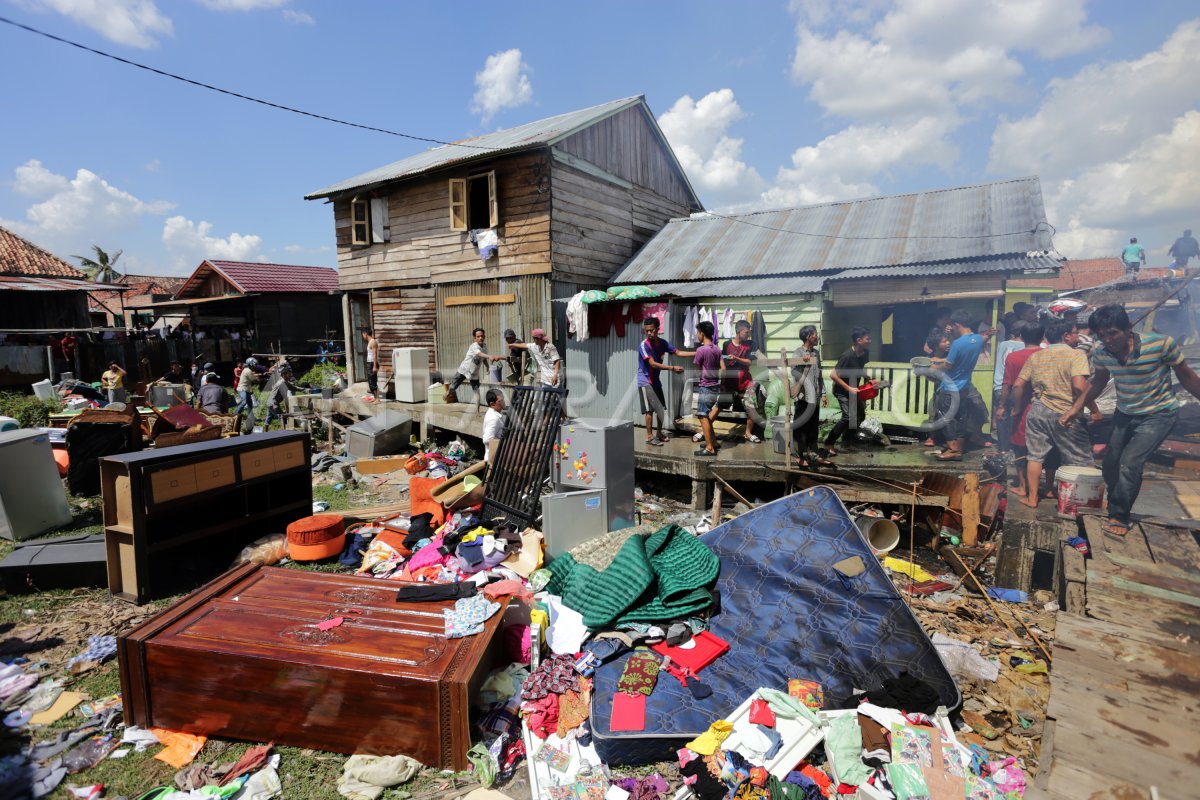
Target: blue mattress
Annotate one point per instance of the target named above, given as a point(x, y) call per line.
point(786, 614)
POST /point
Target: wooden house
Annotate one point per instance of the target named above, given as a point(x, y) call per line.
point(565, 201)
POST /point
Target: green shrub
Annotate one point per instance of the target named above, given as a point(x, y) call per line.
point(27, 410)
point(322, 376)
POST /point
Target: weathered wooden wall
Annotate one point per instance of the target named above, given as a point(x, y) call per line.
point(404, 317)
point(424, 249)
point(627, 146)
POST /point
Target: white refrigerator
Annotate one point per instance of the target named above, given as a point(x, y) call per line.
point(32, 497)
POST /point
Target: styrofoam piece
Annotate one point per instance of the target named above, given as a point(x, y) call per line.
point(541, 777)
point(800, 737)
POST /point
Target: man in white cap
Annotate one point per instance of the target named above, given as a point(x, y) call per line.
point(545, 355)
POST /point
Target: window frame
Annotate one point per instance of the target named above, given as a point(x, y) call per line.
point(460, 205)
point(363, 203)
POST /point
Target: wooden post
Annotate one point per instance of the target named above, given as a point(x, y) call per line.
point(716, 506)
point(970, 508)
point(788, 407)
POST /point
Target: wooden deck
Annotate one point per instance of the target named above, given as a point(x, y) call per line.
point(1124, 714)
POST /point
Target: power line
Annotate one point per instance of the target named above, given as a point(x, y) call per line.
point(229, 92)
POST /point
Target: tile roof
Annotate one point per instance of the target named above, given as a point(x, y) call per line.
point(510, 140)
point(19, 256)
point(141, 287)
point(966, 225)
point(1075, 274)
point(250, 277)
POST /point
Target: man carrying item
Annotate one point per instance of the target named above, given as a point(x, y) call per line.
point(958, 366)
point(515, 368)
point(176, 375)
point(545, 355)
point(468, 370)
point(372, 364)
point(846, 374)
point(245, 387)
point(1184, 248)
point(277, 400)
point(213, 399)
point(808, 391)
point(1134, 257)
point(1031, 336)
point(1141, 364)
point(113, 383)
point(651, 362)
point(493, 421)
point(707, 356)
point(1057, 375)
point(738, 354)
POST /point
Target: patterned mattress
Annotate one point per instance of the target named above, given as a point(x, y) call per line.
point(787, 613)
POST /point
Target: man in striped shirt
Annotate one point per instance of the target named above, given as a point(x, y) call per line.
point(1141, 366)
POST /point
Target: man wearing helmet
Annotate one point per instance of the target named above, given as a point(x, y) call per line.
point(245, 387)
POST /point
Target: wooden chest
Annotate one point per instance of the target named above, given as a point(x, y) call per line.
point(242, 658)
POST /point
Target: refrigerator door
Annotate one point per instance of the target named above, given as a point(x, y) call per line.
point(32, 497)
point(572, 518)
point(410, 373)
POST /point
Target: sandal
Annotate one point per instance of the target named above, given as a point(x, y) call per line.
point(654, 441)
point(698, 437)
point(1114, 528)
point(949, 455)
point(754, 439)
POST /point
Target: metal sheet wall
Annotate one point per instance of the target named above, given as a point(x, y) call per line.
point(455, 323)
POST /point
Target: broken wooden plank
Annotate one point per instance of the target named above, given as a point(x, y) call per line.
point(855, 494)
point(970, 508)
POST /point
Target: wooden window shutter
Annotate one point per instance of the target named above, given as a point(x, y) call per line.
point(360, 222)
point(458, 204)
point(379, 220)
point(493, 205)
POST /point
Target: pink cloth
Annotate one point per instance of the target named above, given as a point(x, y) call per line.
point(508, 588)
point(427, 556)
point(542, 715)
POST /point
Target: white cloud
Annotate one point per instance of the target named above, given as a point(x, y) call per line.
point(190, 243)
point(242, 5)
point(295, 17)
point(74, 213)
point(502, 83)
point(135, 23)
point(152, 166)
point(698, 133)
point(844, 166)
point(926, 57)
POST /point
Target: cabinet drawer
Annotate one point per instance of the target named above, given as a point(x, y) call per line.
point(256, 463)
point(173, 483)
point(214, 473)
point(289, 456)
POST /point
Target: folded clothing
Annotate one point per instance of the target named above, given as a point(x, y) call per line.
point(432, 592)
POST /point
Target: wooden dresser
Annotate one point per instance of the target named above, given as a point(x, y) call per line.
point(243, 658)
point(176, 516)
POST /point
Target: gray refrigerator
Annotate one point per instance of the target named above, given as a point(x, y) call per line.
point(598, 454)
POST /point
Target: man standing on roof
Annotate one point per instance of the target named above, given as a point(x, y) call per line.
point(1134, 257)
point(545, 355)
point(1185, 247)
point(1141, 364)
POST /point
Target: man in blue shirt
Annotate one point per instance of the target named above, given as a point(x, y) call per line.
point(651, 356)
point(960, 406)
point(1001, 425)
point(1134, 256)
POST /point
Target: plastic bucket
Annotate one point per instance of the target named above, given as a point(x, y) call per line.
point(8, 424)
point(1078, 487)
point(882, 534)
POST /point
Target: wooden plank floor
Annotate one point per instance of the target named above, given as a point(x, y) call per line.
point(1124, 713)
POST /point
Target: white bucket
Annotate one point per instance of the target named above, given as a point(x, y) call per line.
point(882, 534)
point(1078, 487)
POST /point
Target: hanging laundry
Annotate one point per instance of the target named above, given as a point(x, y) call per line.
point(689, 327)
point(577, 317)
point(487, 241)
point(758, 330)
point(727, 323)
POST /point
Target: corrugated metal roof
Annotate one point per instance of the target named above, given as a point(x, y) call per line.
point(1021, 263)
point(968, 222)
point(747, 287)
point(249, 276)
point(531, 134)
point(35, 283)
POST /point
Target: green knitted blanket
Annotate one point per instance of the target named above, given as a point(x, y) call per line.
point(652, 578)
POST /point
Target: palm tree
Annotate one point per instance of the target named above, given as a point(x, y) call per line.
point(101, 269)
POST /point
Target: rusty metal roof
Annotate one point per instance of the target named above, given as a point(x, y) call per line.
point(510, 140)
point(965, 225)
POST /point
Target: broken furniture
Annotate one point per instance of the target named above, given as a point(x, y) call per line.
point(522, 461)
point(791, 607)
point(383, 434)
point(32, 499)
point(183, 424)
point(93, 435)
point(61, 562)
point(246, 657)
point(176, 516)
point(457, 492)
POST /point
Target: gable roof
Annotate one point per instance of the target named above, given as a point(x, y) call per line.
point(249, 277)
point(19, 256)
point(538, 133)
point(139, 286)
point(967, 229)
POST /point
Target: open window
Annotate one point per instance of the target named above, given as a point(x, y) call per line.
point(473, 202)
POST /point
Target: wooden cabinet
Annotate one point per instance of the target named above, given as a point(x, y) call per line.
point(174, 517)
point(243, 658)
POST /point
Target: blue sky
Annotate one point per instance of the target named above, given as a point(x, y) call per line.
point(767, 104)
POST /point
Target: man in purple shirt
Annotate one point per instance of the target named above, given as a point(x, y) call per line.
point(651, 354)
point(708, 358)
